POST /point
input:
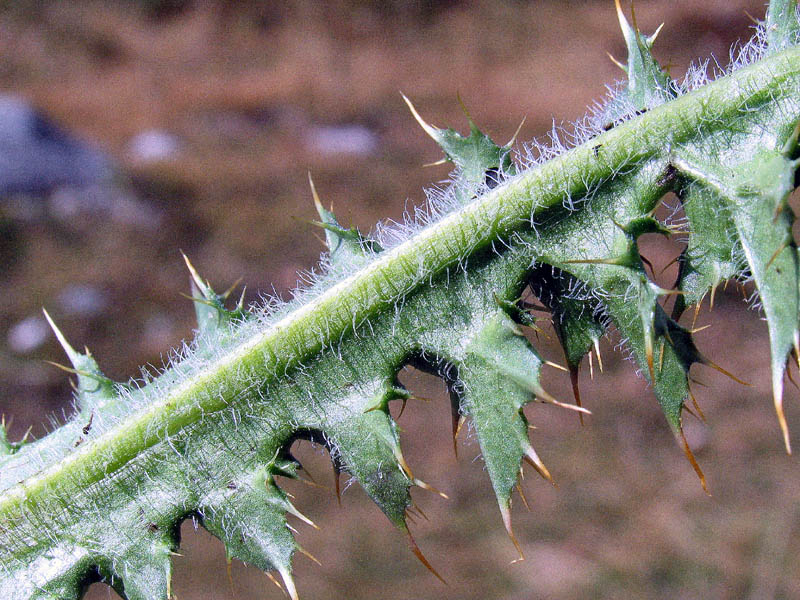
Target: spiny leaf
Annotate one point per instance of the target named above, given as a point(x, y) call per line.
point(208, 435)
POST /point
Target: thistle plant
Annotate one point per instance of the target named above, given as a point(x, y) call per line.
point(101, 497)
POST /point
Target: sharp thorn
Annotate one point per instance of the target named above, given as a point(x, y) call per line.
point(550, 363)
point(292, 510)
point(402, 408)
point(697, 407)
point(421, 557)
point(403, 465)
point(597, 351)
point(573, 377)
point(315, 196)
point(419, 510)
point(289, 583)
point(224, 295)
point(458, 423)
point(430, 130)
point(505, 511)
point(275, 581)
point(533, 460)
point(777, 397)
point(516, 133)
point(705, 361)
point(430, 488)
point(68, 349)
point(689, 455)
point(522, 494)
point(697, 310)
point(308, 555)
point(616, 62)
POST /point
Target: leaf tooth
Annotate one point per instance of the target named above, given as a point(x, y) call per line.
point(93, 388)
point(146, 574)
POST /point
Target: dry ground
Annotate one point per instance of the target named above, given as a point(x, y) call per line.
point(245, 86)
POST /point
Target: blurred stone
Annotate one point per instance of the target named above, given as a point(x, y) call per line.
point(153, 145)
point(81, 300)
point(36, 155)
point(121, 206)
point(27, 335)
point(342, 139)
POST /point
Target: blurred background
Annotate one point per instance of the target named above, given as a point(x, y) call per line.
point(132, 130)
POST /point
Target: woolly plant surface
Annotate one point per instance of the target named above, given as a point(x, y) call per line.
point(101, 497)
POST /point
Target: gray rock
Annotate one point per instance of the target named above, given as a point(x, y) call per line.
point(27, 335)
point(36, 155)
point(153, 145)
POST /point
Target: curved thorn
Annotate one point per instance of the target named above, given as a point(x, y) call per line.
point(402, 408)
point(292, 510)
point(591, 366)
point(690, 456)
point(616, 62)
point(506, 514)
point(421, 557)
point(429, 129)
point(669, 264)
point(465, 111)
